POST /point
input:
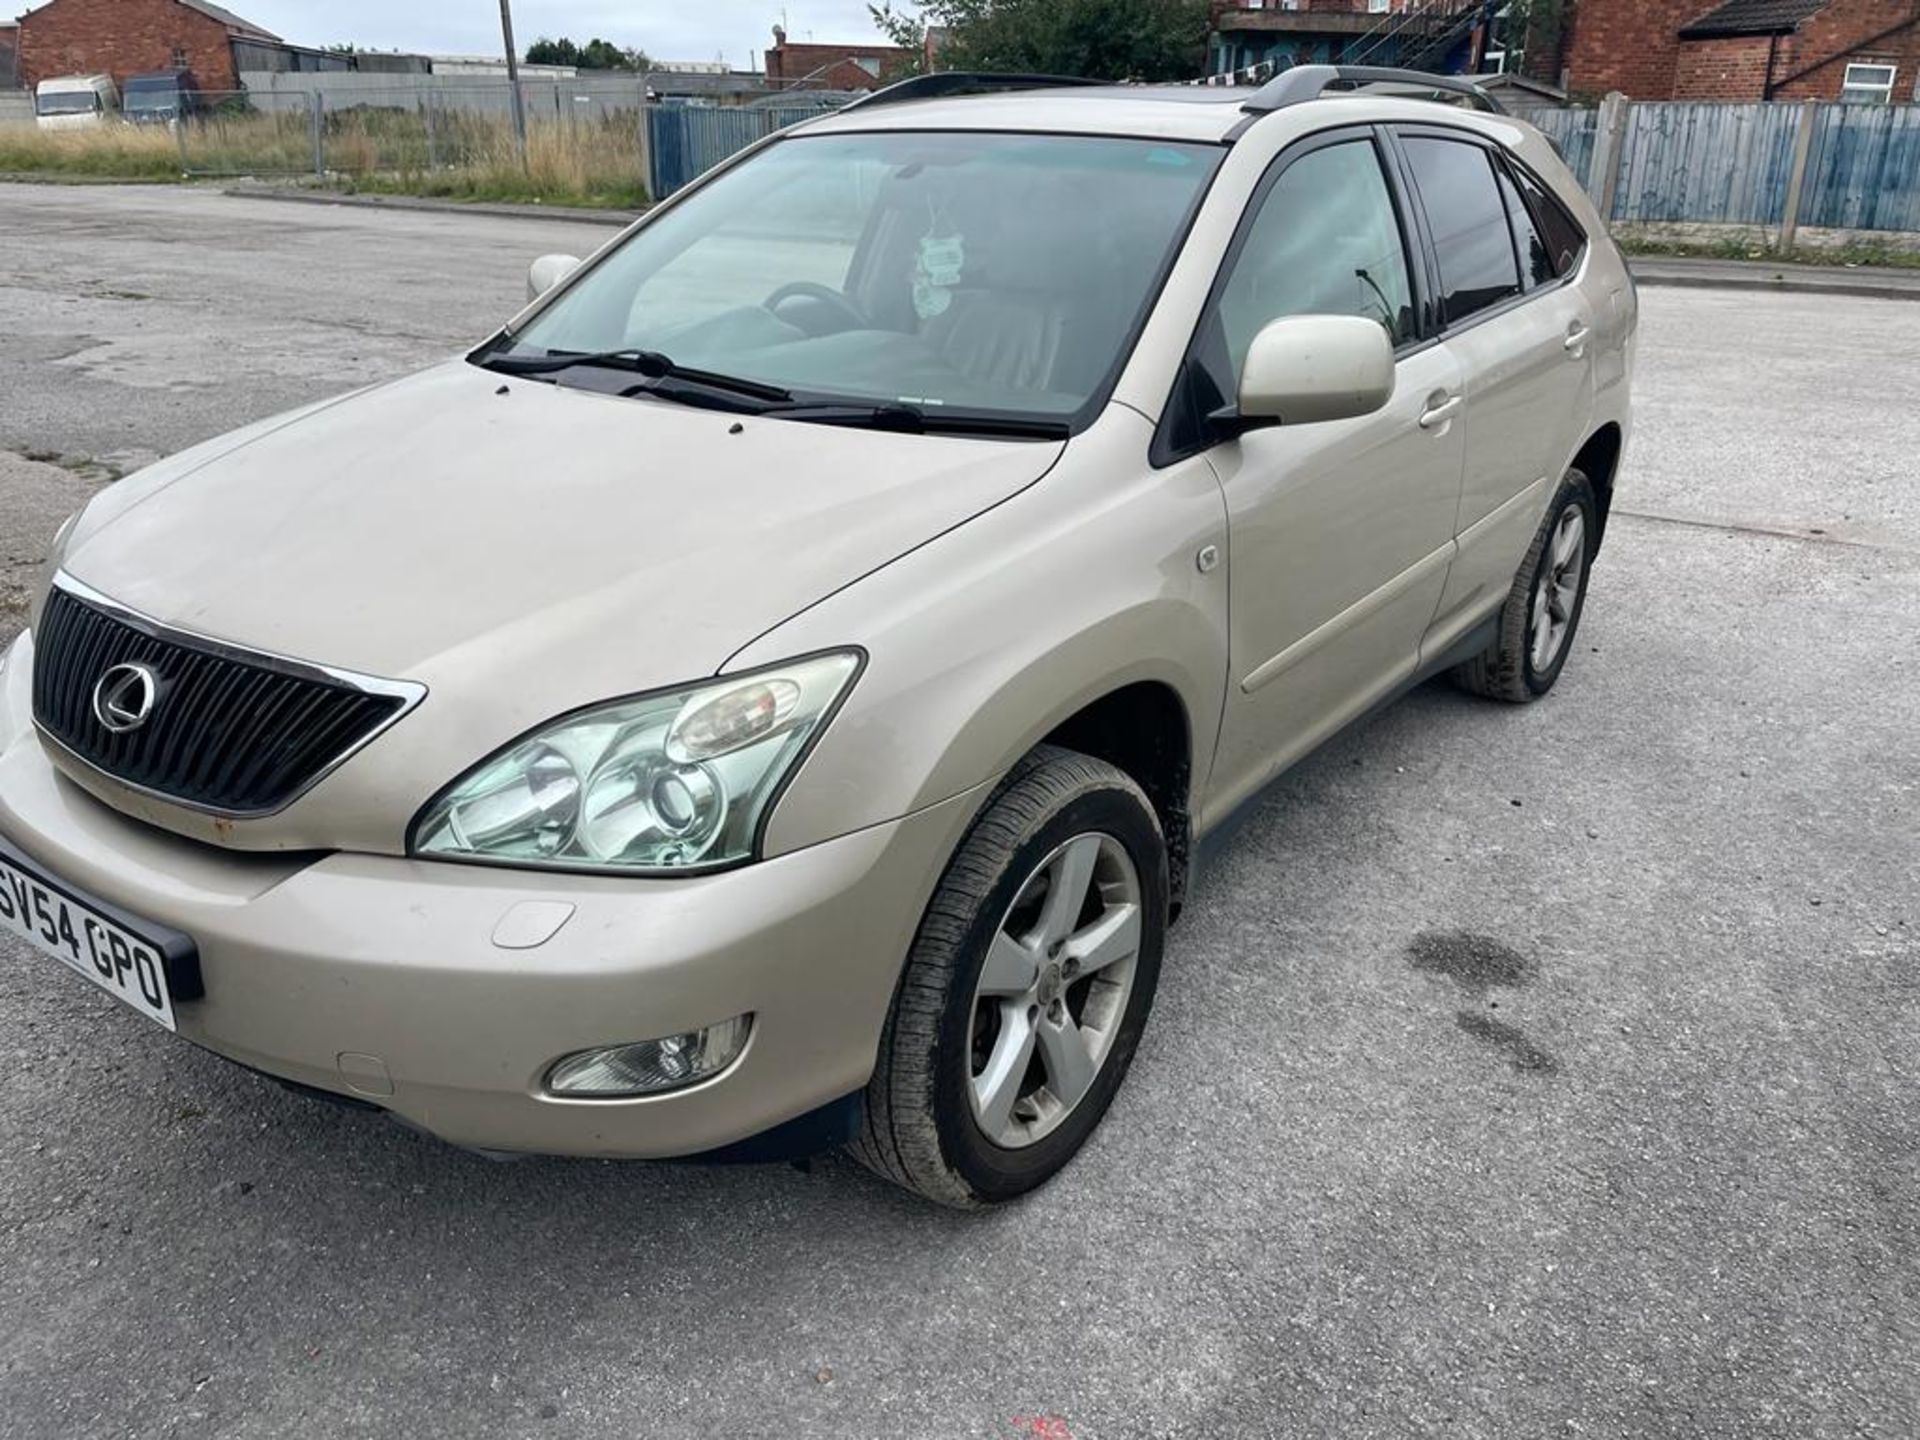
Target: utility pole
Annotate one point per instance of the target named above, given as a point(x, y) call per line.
point(513, 82)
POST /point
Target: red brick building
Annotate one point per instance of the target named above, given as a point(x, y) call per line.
point(1862, 50)
point(128, 37)
point(831, 67)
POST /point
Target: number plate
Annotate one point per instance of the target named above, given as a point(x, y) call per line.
point(147, 967)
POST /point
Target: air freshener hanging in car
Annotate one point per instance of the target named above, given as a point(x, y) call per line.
point(942, 259)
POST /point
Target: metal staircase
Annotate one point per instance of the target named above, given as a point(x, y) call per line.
point(1419, 37)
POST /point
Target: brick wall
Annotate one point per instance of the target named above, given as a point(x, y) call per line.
point(1633, 46)
point(832, 67)
point(1838, 28)
point(1730, 68)
point(122, 38)
point(1627, 45)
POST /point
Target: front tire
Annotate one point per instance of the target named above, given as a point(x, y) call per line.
point(1543, 608)
point(1027, 987)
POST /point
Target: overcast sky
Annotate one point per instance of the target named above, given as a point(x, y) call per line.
point(666, 29)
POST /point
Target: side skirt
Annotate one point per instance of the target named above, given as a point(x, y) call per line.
point(1208, 847)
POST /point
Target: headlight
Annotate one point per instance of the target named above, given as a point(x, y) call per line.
point(668, 782)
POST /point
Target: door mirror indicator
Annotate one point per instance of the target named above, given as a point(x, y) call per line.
point(1305, 368)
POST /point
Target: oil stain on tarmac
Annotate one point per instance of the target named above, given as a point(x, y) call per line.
point(1480, 965)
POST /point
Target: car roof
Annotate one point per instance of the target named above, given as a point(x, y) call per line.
point(1169, 112)
point(1204, 113)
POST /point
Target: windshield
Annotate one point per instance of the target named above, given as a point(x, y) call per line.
point(986, 272)
point(66, 102)
point(155, 99)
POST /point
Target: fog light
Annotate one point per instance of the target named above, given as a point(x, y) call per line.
point(648, 1067)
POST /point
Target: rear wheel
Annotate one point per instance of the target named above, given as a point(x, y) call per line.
point(1026, 989)
point(1537, 623)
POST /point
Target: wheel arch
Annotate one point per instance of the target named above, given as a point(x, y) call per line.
point(1598, 458)
point(1143, 729)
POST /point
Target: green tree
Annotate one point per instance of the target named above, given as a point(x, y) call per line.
point(1099, 39)
point(553, 52)
point(596, 54)
point(909, 33)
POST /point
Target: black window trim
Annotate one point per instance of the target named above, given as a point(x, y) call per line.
point(1165, 450)
point(1497, 155)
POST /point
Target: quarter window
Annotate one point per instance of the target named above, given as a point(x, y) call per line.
point(1536, 266)
point(1558, 230)
point(1326, 241)
point(1469, 223)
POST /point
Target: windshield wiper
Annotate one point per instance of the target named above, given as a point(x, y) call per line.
point(649, 363)
point(916, 420)
point(644, 362)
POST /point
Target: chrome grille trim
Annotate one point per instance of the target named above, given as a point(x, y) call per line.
point(225, 674)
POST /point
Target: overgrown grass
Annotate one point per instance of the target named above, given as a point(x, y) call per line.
point(510, 187)
point(1736, 248)
point(458, 155)
point(119, 152)
point(594, 163)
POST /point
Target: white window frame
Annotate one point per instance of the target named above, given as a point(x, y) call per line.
point(1379, 7)
point(1869, 92)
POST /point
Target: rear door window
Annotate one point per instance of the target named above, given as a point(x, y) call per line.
point(1468, 221)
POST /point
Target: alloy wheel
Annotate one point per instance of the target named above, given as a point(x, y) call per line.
point(1558, 589)
point(1054, 989)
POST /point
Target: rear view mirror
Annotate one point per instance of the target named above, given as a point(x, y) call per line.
point(1304, 368)
point(547, 272)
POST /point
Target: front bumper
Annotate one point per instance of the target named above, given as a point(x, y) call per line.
point(413, 985)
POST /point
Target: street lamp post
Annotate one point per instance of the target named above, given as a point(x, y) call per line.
point(513, 82)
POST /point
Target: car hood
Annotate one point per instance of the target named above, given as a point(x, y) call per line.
point(519, 548)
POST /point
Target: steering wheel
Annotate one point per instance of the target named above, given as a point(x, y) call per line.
point(813, 290)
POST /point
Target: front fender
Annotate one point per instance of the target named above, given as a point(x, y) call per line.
point(985, 639)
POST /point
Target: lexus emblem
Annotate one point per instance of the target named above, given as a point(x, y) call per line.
point(123, 699)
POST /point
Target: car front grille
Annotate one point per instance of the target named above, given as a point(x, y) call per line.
point(228, 730)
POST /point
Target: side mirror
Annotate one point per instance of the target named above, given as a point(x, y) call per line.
point(547, 272)
point(1304, 368)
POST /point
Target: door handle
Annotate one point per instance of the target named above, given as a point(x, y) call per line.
point(1438, 412)
point(1576, 340)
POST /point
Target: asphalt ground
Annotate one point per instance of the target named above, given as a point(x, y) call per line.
point(1515, 1072)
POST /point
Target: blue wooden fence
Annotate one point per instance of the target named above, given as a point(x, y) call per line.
point(1863, 172)
point(1679, 160)
point(1730, 164)
point(1573, 131)
point(1698, 161)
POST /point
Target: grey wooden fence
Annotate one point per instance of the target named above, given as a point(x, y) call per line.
point(685, 141)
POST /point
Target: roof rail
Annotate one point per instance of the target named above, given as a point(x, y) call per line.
point(1307, 82)
point(960, 82)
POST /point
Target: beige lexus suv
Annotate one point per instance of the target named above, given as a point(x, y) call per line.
point(769, 695)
